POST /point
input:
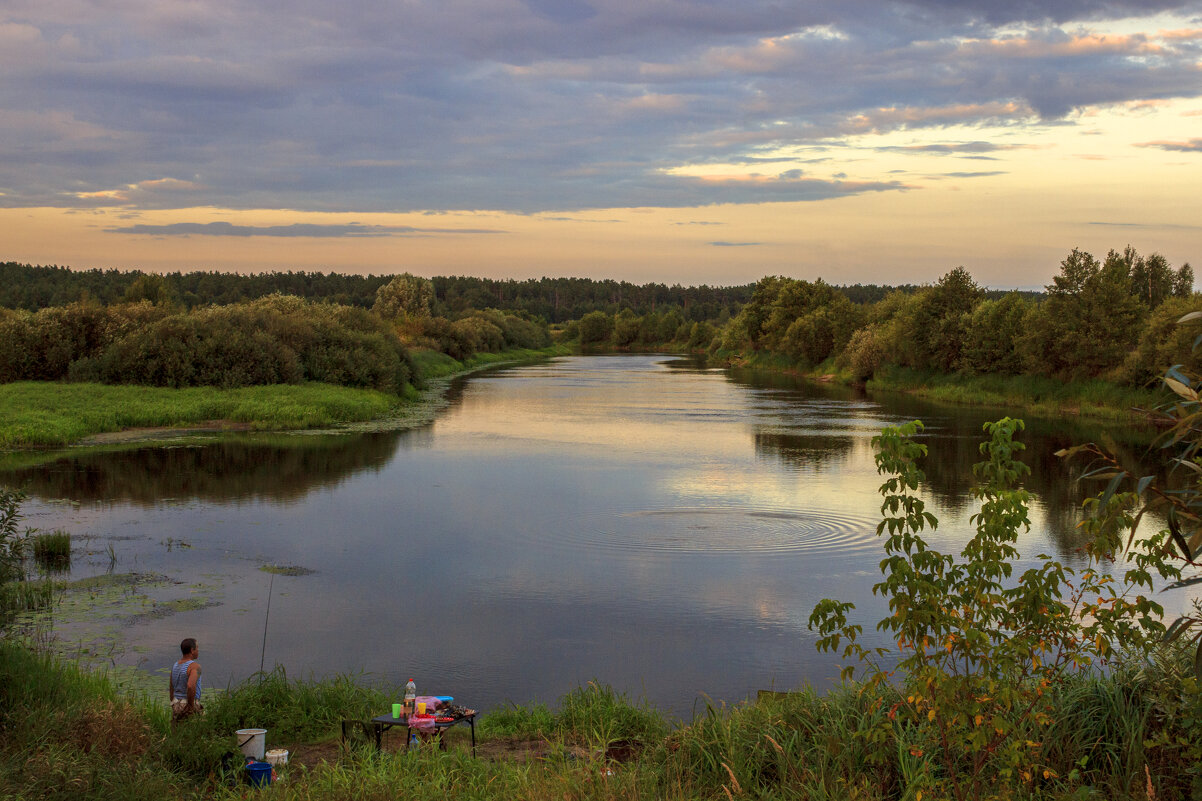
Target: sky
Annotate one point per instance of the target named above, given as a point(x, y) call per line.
point(677, 141)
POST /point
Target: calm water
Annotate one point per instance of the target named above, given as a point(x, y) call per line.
point(634, 519)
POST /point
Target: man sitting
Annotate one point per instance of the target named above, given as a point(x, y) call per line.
point(185, 682)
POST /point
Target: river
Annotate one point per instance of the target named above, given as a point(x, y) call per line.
point(642, 521)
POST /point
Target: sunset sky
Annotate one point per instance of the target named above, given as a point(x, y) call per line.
point(689, 141)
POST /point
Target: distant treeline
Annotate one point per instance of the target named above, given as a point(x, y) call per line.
point(556, 300)
point(1114, 319)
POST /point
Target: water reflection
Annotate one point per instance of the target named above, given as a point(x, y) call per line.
point(228, 470)
point(643, 520)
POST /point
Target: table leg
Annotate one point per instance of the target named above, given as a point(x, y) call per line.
point(379, 727)
point(472, 722)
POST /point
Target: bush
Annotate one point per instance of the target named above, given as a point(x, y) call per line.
point(981, 653)
point(863, 355)
point(596, 328)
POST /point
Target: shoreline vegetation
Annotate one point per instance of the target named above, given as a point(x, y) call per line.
point(1029, 396)
point(68, 733)
point(42, 414)
point(46, 415)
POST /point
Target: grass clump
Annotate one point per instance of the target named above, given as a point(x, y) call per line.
point(52, 550)
point(287, 570)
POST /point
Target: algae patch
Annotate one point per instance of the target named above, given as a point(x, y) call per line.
point(287, 570)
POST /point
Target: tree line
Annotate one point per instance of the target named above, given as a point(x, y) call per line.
point(275, 339)
point(1113, 319)
point(556, 300)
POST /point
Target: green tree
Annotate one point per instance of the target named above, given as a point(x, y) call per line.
point(1164, 342)
point(406, 295)
point(941, 321)
point(152, 287)
point(626, 328)
point(1183, 281)
point(596, 328)
point(992, 331)
point(1089, 322)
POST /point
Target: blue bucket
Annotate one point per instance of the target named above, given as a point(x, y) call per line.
point(258, 773)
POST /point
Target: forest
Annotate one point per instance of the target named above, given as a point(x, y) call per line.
point(29, 287)
point(1111, 319)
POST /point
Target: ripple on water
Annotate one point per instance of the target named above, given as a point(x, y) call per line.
point(737, 530)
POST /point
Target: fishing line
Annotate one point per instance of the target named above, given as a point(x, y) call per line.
point(263, 653)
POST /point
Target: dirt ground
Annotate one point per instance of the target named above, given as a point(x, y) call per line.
point(162, 432)
point(495, 749)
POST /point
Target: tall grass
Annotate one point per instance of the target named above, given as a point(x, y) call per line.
point(69, 734)
point(52, 550)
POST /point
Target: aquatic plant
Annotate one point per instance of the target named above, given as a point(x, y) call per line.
point(52, 550)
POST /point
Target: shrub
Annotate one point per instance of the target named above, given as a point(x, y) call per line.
point(981, 654)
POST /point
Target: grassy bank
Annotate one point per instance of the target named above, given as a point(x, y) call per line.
point(50, 414)
point(68, 734)
point(1032, 394)
point(45, 414)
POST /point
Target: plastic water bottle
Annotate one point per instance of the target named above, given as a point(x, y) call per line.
point(410, 695)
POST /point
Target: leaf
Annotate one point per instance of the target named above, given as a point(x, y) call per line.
point(1189, 465)
point(1195, 541)
point(1180, 625)
point(1194, 315)
point(1175, 533)
point(1143, 485)
point(1198, 660)
point(1110, 490)
point(1176, 585)
point(1181, 389)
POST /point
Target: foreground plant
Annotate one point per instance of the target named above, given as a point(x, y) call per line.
point(980, 654)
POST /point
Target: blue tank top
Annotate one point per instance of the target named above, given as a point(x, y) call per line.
point(179, 681)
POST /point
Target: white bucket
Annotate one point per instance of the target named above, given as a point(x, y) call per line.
point(277, 756)
point(252, 742)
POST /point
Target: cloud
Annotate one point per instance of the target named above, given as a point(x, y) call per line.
point(303, 230)
point(1169, 226)
point(1189, 146)
point(950, 148)
point(541, 105)
point(721, 244)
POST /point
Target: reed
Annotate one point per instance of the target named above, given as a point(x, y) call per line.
point(52, 550)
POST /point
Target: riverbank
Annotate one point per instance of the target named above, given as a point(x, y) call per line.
point(1025, 396)
point(37, 414)
point(71, 734)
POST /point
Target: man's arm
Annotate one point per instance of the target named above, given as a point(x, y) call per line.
point(193, 677)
